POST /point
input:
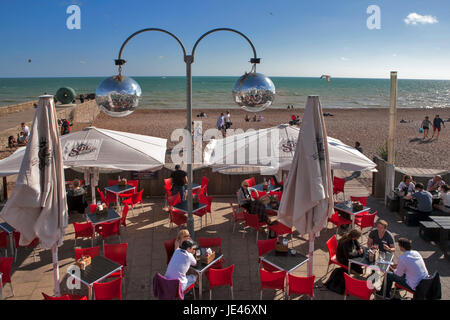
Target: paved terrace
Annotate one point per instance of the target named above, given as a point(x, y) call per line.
point(147, 230)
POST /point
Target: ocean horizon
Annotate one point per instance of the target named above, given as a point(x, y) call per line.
point(209, 92)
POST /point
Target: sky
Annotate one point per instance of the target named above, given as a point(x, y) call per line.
point(292, 38)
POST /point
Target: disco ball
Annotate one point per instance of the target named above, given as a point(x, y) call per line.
point(254, 92)
point(118, 96)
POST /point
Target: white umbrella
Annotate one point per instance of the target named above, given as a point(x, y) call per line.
point(37, 206)
point(307, 200)
point(273, 148)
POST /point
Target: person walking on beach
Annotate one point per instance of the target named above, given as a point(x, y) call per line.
point(437, 121)
point(227, 120)
point(220, 125)
point(426, 124)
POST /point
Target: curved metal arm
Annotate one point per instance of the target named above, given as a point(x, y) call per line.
point(255, 57)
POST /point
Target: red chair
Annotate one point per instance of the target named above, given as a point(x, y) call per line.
point(338, 221)
point(118, 254)
point(136, 198)
point(202, 212)
point(112, 182)
point(123, 220)
point(92, 252)
point(212, 242)
point(220, 277)
point(251, 220)
point(271, 280)
point(363, 200)
point(108, 229)
point(169, 245)
point(92, 208)
point(338, 186)
point(280, 229)
point(208, 201)
point(255, 194)
point(301, 285)
point(108, 290)
point(168, 184)
point(83, 230)
point(32, 245)
point(272, 182)
point(106, 200)
point(64, 297)
point(177, 218)
point(251, 182)
point(357, 288)
point(332, 248)
point(265, 246)
point(278, 194)
point(174, 200)
point(366, 220)
point(168, 194)
point(4, 242)
point(5, 270)
point(236, 217)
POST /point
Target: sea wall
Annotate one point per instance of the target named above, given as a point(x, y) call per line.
point(4, 110)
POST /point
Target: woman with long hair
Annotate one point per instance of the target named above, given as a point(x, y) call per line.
point(348, 248)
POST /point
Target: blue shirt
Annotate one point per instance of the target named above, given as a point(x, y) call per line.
point(437, 122)
point(424, 201)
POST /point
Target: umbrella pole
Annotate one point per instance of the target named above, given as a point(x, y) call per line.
point(311, 254)
point(56, 291)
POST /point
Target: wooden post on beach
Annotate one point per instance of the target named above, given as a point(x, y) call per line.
point(390, 169)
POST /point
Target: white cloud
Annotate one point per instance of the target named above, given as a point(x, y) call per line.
point(344, 59)
point(415, 18)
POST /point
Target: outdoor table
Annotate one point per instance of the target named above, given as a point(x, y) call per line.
point(200, 268)
point(349, 210)
point(381, 265)
point(116, 189)
point(183, 206)
point(111, 215)
point(259, 188)
point(444, 223)
point(9, 230)
point(285, 261)
point(99, 269)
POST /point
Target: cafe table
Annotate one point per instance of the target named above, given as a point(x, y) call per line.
point(349, 210)
point(109, 216)
point(284, 261)
point(99, 269)
point(201, 267)
point(380, 265)
point(444, 228)
point(9, 230)
point(259, 187)
point(183, 206)
point(117, 189)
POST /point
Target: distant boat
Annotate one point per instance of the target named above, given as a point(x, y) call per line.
point(328, 77)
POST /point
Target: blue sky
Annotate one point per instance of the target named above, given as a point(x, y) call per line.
point(293, 38)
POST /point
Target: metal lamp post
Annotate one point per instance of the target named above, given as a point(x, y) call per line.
point(118, 96)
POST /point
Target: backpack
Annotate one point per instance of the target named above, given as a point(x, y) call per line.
point(336, 281)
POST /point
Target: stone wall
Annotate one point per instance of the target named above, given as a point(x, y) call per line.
point(4, 110)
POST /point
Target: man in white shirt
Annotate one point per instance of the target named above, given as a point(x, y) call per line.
point(227, 119)
point(410, 269)
point(180, 263)
point(25, 130)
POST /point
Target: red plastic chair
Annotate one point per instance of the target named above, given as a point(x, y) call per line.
point(332, 248)
point(108, 290)
point(271, 280)
point(108, 229)
point(118, 254)
point(169, 245)
point(338, 221)
point(366, 220)
point(32, 245)
point(92, 252)
point(112, 182)
point(83, 230)
point(202, 212)
point(64, 297)
point(5, 270)
point(301, 285)
point(280, 229)
point(174, 200)
point(251, 220)
point(133, 183)
point(108, 199)
point(279, 194)
point(136, 198)
point(236, 217)
point(92, 208)
point(363, 200)
point(177, 218)
point(208, 201)
point(251, 182)
point(265, 246)
point(212, 242)
point(220, 277)
point(168, 184)
point(123, 220)
point(4, 241)
point(357, 288)
point(338, 186)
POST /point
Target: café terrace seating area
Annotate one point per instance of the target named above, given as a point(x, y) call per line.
point(131, 243)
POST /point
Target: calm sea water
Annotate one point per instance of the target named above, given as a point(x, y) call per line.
point(213, 92)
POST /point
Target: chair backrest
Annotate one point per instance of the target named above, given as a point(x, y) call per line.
point(107, 229)
point(357, 288)
point(338, 185)
point(5, 269)
point(166, 289)
point(137, 197)
point(84, 229)
point(272, 280)
point(301, 285)
point(279, 194)
point(251, 182)
point(429, 288)
point(112, 182)
point(255, 195)
point(117, 253)
point(123, 220)
point(102, 196)
point(220, 277)
point(368, 220)
point(92, 208)
point(265, 246)
point(3, 240)
point(173, 200)
point(251, 220)
point(205, 181)
point(108, 290)
point(169, 245)
point(92, 252)
point(210, 242)
point(332, 246)
point(133, 183)
point(168, 184)
point(363, 200)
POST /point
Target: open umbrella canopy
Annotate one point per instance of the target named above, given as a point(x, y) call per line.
point(274, 148)
point(107, 150)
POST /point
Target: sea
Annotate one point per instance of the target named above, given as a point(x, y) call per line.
point(215, 92)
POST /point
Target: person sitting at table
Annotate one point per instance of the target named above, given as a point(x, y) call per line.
point(424, 200)
point(435, 183)
point(407, 185)
point(76, 200)
point(179, 180)
point(444, 196)
point(252, 206)
point(180, 263)
point(348, 248)
point(182, 236)
point(381, 237)
point(409, 271)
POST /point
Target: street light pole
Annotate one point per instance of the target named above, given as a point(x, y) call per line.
point(190, 219)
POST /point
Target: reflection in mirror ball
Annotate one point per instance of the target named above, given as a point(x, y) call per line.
point(254, 92)
point(118, 96)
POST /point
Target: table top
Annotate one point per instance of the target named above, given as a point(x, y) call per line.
point(442, 221)
point(285, 262)
point(7, 227)
point(111, 215)
point(259, 187)
point(119, 189)
point(99, 269)
point(344, 208)
point(379, 265)
point(183, 206)
point(201, 267)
